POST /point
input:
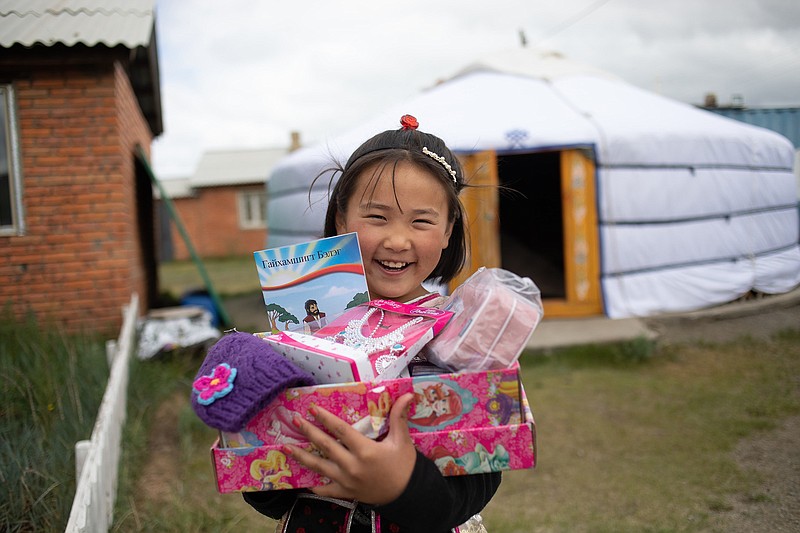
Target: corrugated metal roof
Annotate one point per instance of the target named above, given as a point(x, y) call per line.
point(26, 25)
point(235, 167)
point(783, 120)
point(175, 188)
point(69, 22)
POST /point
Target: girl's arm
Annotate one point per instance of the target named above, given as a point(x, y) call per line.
point(429, 502)
point(272, 503)
point(359, 468)
point(401, 484)
point(349, 462)
point(433, 502)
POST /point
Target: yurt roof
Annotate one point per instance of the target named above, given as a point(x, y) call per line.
point(692, 209)
point(528, 99)
point(534, 63)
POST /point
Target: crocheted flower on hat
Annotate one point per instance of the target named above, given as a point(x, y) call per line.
point(214, 386)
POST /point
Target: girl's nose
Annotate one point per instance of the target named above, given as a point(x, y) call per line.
point(397, 240)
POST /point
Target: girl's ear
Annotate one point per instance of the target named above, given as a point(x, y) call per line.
point(447, 233)
point(341, 227)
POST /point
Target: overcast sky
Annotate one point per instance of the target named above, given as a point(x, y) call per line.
point(244, 74)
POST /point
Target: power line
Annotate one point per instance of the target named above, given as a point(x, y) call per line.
point(585, 12)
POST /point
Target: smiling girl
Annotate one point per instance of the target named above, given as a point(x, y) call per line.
point(399, 191)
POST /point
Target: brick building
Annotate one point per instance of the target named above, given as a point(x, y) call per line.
point(222, 205)
point(79, 101)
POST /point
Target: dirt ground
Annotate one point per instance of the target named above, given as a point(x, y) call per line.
point(773, 456)
point(775, 505)
point(757, 317)
point(155, 480)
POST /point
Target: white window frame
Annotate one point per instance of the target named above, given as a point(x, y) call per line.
point(13, 161)
point(252, 204)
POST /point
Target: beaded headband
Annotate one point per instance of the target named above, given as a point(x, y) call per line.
point(408, 122)
point(442, 161)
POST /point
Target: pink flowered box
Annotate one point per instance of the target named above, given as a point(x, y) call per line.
point(467, 423)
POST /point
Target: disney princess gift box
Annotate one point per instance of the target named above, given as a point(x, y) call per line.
point(474, 420)
point(467, 423)
point(372, 341)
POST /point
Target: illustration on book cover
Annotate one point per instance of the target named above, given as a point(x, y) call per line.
point(306, 285)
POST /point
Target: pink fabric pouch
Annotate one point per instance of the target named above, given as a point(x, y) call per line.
point(496, 312)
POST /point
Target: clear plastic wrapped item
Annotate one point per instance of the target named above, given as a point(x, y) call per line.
point(496, 312)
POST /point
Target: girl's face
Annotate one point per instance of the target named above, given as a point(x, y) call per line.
point(402, 229)
point(441, 407)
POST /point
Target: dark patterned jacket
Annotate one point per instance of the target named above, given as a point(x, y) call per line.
point(431, 503)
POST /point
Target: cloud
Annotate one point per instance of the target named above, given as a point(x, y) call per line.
point(245, 74)
point(338, 291)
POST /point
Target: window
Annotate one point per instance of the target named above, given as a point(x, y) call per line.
point(11, 220)
point(252, 209)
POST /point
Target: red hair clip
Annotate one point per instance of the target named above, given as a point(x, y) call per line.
point(408, 122)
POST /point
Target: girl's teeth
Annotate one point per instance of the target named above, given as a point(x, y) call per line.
point(390, 264)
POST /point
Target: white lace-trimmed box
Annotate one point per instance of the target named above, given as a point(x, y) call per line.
point(371, 342)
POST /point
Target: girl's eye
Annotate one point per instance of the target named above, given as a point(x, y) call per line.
point(375, 217)
point(423, 221)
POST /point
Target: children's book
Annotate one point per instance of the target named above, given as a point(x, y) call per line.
point(307, 285)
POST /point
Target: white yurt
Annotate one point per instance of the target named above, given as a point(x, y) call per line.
point(626, 203)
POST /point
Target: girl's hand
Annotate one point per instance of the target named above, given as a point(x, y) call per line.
point(358, 467)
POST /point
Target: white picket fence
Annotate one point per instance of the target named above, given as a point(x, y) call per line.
point(97, 460)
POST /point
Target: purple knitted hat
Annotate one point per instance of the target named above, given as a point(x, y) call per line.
point(240, 376)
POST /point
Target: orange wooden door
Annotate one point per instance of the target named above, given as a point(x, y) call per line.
point(581, 240)
point(481, 204)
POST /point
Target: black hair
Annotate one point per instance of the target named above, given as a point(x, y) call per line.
point(388, 149)
point(308, 305)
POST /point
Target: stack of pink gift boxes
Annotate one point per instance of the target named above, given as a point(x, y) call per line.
point(467, 421)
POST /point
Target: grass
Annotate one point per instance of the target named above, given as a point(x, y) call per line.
point(51, 386)
point(230, 276)
point(631, 437)
point(166, 482)
point(645, 445)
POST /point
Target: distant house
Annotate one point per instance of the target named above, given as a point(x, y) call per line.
point(79, 100)
point(223, 205)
